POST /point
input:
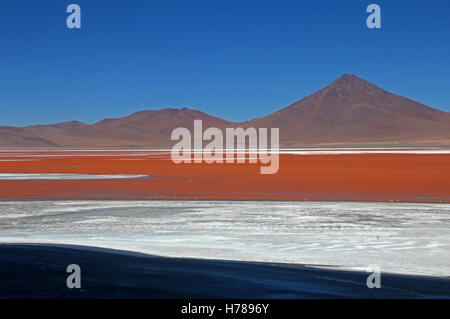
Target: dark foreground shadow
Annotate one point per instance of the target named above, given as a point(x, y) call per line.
point(39, 271)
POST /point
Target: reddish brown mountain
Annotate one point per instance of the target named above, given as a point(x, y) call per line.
point(350, 110)
point(140, 129)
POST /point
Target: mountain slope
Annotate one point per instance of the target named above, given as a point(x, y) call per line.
point(352, 110)
point(140, 129)
point(15, 137)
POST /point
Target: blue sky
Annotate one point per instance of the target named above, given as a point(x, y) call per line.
point(234, 59)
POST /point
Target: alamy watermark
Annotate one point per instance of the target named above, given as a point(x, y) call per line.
point(233, 149)
point(374, 19)
point(74, 279)
point(73, 21)
point(374, 279)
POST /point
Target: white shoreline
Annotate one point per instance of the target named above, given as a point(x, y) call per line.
point(52, 176)
point(164, 151)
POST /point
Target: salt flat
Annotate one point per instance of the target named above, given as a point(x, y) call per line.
point(400, 237)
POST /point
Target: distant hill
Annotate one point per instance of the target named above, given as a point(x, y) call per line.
point(350, 110)
point(140, 129)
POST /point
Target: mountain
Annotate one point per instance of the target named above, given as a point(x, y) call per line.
point(140, 129)
point(352, 110)
point(157, 126)
point(14, 137)
point(348, 111)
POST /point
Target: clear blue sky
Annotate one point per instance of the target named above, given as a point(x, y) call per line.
point(234, 59)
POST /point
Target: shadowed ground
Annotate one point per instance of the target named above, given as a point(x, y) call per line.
point(39, 271)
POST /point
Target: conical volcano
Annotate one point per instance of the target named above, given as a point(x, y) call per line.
point(352, 110)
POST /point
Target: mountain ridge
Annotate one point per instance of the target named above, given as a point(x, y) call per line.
point(350, 110)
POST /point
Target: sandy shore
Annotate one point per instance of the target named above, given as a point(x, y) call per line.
point(39, 271)
point(402, 177)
